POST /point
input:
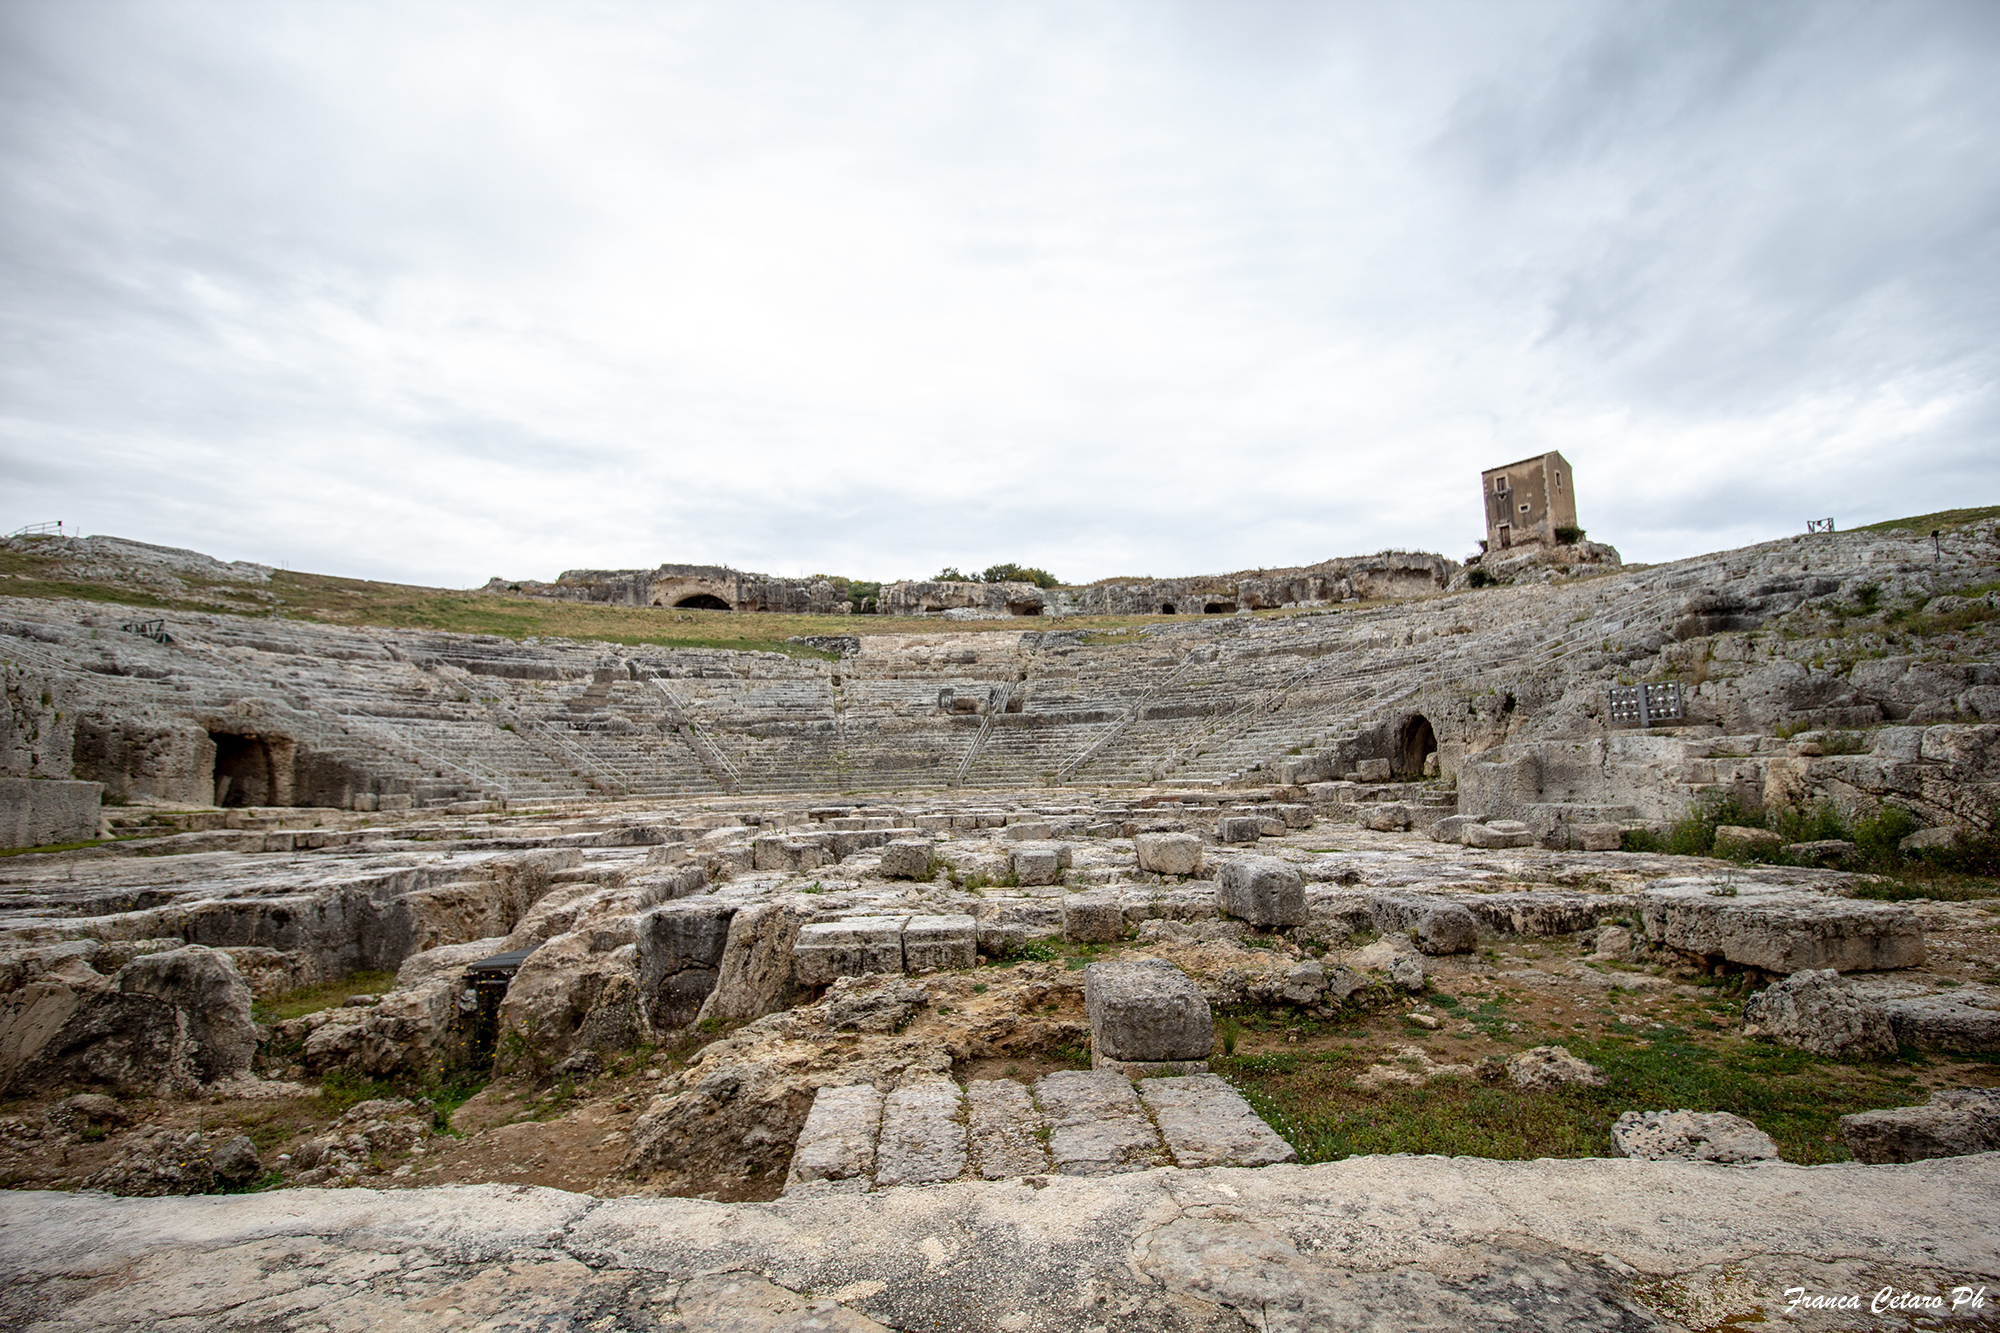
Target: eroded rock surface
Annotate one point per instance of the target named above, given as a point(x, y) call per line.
point(1369, 1242)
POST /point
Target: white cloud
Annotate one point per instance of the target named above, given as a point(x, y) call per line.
point(438, 292)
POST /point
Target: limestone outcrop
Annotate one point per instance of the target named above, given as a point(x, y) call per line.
point(1402, 1242)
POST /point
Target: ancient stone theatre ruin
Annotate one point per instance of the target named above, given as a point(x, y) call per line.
point(1314, 947)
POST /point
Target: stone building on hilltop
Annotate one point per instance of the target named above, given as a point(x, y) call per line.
point(1528, 501)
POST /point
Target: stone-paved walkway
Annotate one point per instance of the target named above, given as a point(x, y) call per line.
point(1072, 1123)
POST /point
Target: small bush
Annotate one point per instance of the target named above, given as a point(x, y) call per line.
point(1569, 534)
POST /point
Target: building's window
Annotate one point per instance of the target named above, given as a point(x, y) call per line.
point(1559, 481)
point(1524, 509)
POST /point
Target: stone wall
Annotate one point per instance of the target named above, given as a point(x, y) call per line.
point(714, 587)
point(703, 587)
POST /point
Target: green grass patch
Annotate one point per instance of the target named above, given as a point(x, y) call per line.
point(312, 999)
point(55, 847)
point(1795, 1097)
point(1945, 520)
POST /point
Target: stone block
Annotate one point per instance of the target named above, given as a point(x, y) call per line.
point(1939, 839)
point(1262, 891)
point(1832, 852)
point(1438, 925)
point(1384, 817)
point(1692, 1136)
point(1205, 1122)
point(1000, 940)
point(1816, 1011)
point(1373, 770)
point(1780, 930)
point(1954, 1123)
point(923, 1136)
point(1736, 840)
point(1966, 1018)
point(775, 851)
point(932, 823)
point(1597, 837)
point(1334, 914)
point(1450, 829)
point(1293, 815)
point(1146, 1011)
point(1096, 1125)
point(907, 858)
point(39, 812)
point(837, 1145)
point(1092, 919)
point(1238, 828)
point(1498, 833)
point(1546, 1068)
point(940, 943)
point(850, 948)
point(1168, 853)
point(1035, 830)
point(1330, 793)
point(1036, 866)
point(1305, 983)
point(1001, 1124)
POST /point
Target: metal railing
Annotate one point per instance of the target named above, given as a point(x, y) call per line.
point(697, 736)
point(1124, 721)
point(995, 705)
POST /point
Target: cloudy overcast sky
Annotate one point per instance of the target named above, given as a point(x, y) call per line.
point(433, 292)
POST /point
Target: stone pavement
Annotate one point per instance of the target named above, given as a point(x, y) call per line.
point(1074, 1122)
point(1368, 1243)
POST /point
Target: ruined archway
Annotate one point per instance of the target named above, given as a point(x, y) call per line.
point(703, 601)
point(1416, 742)
point(246, 770)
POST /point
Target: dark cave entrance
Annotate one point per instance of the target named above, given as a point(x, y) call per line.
point(246, 771)
point(1166, 608)
point(1416, 744)
point(703, 601)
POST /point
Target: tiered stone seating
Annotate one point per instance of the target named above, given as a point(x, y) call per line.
point(1194, 702)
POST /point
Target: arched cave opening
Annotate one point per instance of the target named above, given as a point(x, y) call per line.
point(703, 601)
point(1166, 608)
point(1416, 743)
point(245, 770)
point(1219, 609)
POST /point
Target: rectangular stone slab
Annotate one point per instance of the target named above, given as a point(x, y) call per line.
point(1002, 1121)
point(1781, 930)
point(1207, 1123)
point(940, 943)
point(1096, 1125)
point(849, 948)
point(923, 1137)
point(838, 1141)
